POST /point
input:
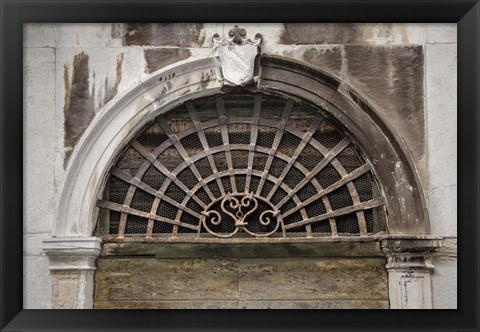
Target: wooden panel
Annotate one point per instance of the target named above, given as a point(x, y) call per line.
point(313, 279)
point(323, 304)
point(219, 304)
point(295, 283)
point(180, 304)
point(166, 279)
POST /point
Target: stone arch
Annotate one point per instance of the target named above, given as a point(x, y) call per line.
point(171, 86)
point(389, 157)
point(114, 126)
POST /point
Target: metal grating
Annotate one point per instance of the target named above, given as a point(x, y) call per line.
point(241, 165)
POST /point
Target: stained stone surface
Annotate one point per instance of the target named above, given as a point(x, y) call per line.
point(353, 33)
point(322, 33)
point(163, 34)
point(325, 57)
point(79, 109)
point(157, 58)
point(391, 78)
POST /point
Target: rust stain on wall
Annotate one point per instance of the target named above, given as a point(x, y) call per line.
point(164, 34)
point(111, 91)
point(79, 108)
point(161, 57)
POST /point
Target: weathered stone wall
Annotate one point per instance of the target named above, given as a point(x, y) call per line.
point(406, 71)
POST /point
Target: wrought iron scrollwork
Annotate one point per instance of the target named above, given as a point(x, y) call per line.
point(239, 207)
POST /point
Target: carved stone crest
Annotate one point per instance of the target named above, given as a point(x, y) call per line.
point(236, 56)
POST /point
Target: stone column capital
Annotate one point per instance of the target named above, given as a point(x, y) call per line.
point(72, 253)
point(72, 264)
point(410, 252)
point(409, 267)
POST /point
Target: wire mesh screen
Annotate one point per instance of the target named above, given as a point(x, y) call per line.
point(241, 165)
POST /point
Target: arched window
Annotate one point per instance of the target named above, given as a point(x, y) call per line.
point(298, 158)
point(241, 165)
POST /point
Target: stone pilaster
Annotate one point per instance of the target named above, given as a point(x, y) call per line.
point(72, 264)
point(409, 267)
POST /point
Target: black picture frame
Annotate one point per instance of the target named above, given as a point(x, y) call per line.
point(14, 13)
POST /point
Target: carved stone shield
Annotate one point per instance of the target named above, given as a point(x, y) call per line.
point(237, 60)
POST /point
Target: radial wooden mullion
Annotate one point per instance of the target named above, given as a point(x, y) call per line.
point(276, 142)
point(233, 120)
point(308, 227)
point(237, 172)
point(344, 180)
point(303, 143)
point(133, 181)
point(240, 147)
point(325, 161)
point(245, 147)
point(332, 221)
point(362, 223)
point(183, 153)
point(203, 139)
point(151, 222)
point(170, 176)
point(253, 139)
point(128, 199)
point(328, 208)
point(122, 208)
point(124, 216)
point(146, 188)
point(226, 143)
point(340, 212)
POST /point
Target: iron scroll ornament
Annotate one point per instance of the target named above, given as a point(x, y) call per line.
point(239, 207)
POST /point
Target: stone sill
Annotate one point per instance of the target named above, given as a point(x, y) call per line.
point(247, 247)
point(244, 250)
point(206, 238)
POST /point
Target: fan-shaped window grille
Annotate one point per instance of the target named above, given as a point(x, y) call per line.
point(241, 165)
